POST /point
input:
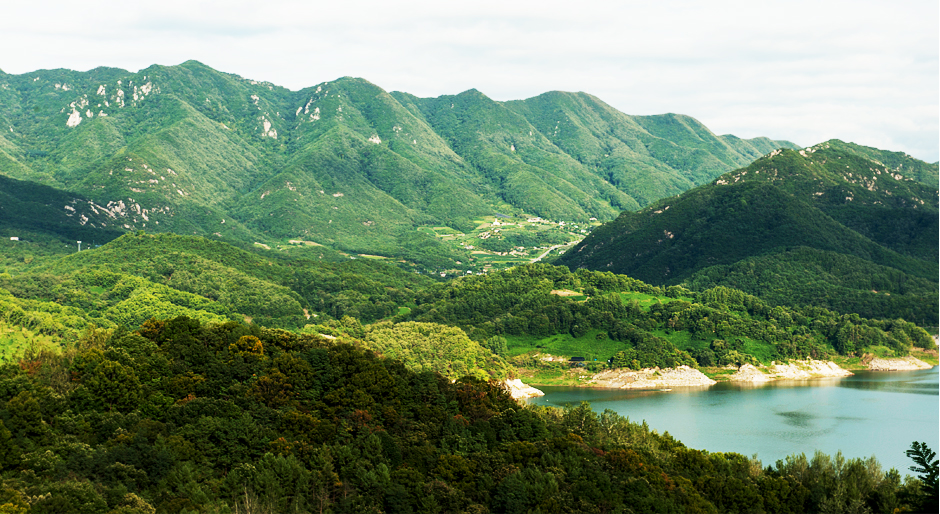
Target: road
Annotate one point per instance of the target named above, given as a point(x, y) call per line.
point(540, 257)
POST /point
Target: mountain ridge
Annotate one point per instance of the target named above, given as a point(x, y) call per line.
point(190, 141)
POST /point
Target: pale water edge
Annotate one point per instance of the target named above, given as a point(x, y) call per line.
point(870, 413)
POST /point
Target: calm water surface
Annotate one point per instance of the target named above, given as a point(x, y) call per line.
point(870, 413)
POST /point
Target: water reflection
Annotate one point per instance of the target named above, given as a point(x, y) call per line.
point(797, 418)
point(914, 382)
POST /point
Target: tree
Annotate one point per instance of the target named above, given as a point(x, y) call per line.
point(927, 469)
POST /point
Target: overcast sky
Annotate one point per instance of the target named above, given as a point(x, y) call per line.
point(860, 71)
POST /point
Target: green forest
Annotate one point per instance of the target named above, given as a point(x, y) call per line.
point(838, 226)
point(509, 314)
point(184, 416)
point(168, 373)
point(676, 326)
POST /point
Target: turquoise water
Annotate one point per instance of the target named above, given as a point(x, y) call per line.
point(870, 413)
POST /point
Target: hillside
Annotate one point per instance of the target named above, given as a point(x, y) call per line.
point(182, 416)
point(139, 276)
point(191, 150)
point(28, 209)
point(831, 200)
point(620, 322)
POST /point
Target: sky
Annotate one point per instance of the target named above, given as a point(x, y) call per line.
point(860, 71)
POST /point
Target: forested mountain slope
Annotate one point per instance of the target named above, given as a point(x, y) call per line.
point(139, 276)
point(190, 150)
point(28, 209)
point(830, 203)
point(648, 157)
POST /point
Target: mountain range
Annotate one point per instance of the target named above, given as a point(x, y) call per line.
point(191, 150)
point(344, 164)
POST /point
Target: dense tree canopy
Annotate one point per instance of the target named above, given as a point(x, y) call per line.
point(181, 416)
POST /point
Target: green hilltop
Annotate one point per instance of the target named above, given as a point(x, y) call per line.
point(794, 226)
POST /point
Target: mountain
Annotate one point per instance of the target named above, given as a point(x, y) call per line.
point(790, 210)
point(191, 150)
point(647, 157)
point(28, 210)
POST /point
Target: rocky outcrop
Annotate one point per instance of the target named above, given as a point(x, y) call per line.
point(749, 373)
point(520, 391)
point(898, 364)
point(795, 370)
point(651, 378)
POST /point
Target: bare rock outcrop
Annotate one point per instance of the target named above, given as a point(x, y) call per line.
point(898, 364)
point(750, 373)
point(794, 370)
point(520, 391)
point(651, 378)
point(797, 370)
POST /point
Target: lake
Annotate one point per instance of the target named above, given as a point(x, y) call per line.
point(870, 413)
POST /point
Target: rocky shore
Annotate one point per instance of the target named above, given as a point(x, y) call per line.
point(898, 364)
point(795, 370)
point(520, 391)
point(650, 378)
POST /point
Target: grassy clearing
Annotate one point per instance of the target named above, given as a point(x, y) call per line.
point(718, 374)
point(849, 363)
point(928, 356)
point(16, 340)
point(761, 350)
point(682, 340)
point(882, 352)
point(555, 376)
point(593, 345)
point(646, 301)
point(854, 363)
point(571, 295)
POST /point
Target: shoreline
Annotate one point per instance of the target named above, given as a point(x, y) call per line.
point(908, 363)
point(793, 370)
point(650, 378)
point(685, 376)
